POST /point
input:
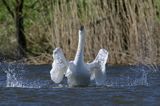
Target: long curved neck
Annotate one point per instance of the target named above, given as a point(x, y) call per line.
point(79, 58)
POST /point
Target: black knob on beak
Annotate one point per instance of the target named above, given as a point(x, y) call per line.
point(81, 28)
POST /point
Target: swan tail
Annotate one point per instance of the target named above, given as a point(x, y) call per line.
point(59, 66)
point(98, 67)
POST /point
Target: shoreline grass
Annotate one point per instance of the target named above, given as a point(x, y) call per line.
point(127, 29)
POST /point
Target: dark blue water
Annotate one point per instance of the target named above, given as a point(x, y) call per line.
point(31, 86)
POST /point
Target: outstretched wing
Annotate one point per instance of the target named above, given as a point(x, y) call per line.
point(97, 68)
point(59, 66)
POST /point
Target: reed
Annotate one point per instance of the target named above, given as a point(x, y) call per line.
point(126, 28)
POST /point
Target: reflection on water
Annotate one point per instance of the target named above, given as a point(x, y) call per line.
point(31, 85)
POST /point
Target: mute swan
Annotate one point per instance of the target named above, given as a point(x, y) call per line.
point(77, 72)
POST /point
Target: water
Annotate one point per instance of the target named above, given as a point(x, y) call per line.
point(125, 85)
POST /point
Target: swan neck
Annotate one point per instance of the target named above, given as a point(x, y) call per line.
point(79, 58)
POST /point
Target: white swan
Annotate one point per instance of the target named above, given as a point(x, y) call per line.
point(77, 72)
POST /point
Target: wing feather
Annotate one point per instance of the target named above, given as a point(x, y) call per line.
point(98, 67)
point(59, 66)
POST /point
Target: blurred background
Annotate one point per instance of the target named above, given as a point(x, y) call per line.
point(128, 29)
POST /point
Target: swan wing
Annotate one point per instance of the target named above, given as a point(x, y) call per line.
point(59, 66)
point(97, 68)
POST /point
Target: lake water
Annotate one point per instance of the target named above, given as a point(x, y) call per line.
point(30, 85)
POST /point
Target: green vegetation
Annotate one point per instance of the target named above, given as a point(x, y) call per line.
point(126, 28)
point(157, 5)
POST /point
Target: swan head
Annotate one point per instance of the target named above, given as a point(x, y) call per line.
point(81, 31)
point(81, 28)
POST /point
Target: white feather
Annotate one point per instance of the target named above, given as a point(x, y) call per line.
point(98, 67)
point(77, 72)
point(59, 66)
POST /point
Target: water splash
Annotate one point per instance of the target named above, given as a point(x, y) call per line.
point(138, 76)
point(16, 77)
point(13, 76)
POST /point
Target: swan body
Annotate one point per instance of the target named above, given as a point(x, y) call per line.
point(77, 72)
point(77, 75)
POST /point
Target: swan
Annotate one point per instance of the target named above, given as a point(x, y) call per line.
point(78, 72)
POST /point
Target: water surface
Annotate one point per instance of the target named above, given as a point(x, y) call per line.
point(29, 85)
